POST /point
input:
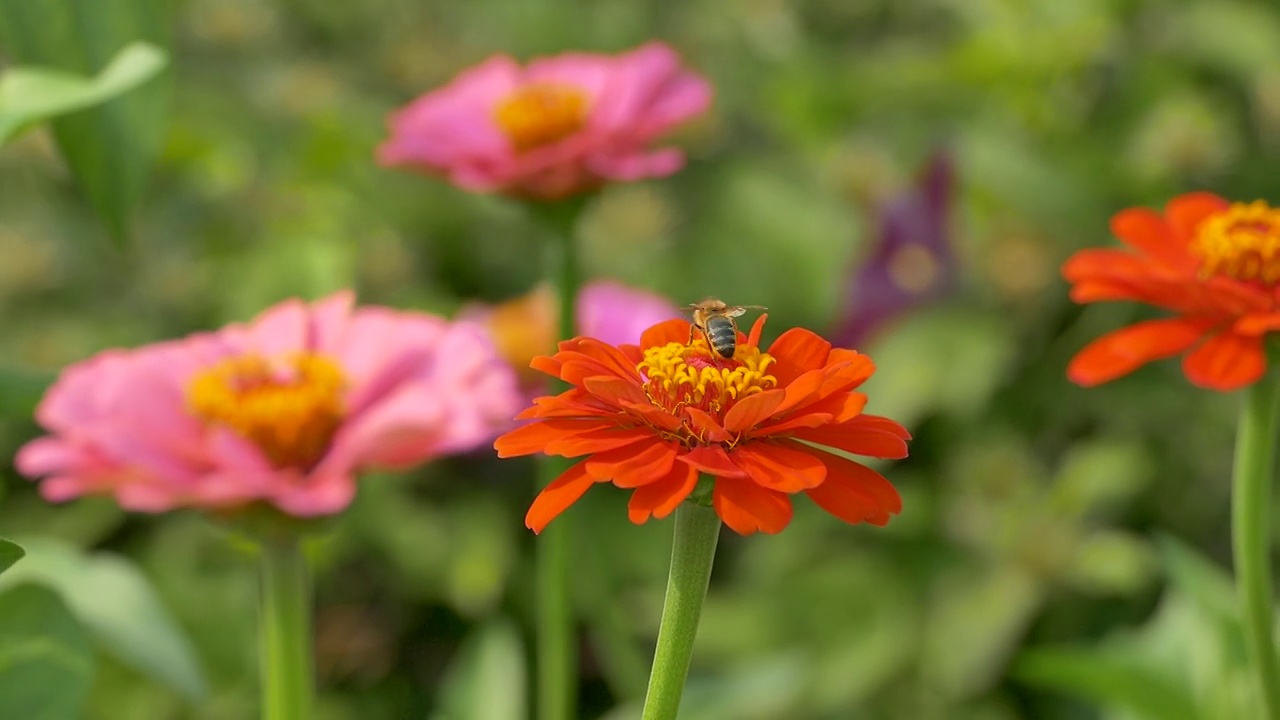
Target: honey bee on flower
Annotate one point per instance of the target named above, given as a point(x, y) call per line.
point(716, 321)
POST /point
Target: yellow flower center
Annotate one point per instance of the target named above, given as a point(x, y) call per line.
point(1242, 242)
point(288, 407)
point(540, 114)
point(677, 376)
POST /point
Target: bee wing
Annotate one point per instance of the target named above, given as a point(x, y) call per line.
point(739, 310)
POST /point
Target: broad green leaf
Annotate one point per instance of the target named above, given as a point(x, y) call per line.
point(487, 678)
point(1108, 679)
point(46, 663)
point(33, 94)
point(110, 147)
point(117, 604)
point(10, 553)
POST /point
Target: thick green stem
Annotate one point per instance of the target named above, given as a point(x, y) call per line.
point(288, 682)
point(692, 553)
point(557, 650)
point(1251, 525)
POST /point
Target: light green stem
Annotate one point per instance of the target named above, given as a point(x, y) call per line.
point(692, 553)
point(288, 682)
point(557, 648)
point(1251, 526)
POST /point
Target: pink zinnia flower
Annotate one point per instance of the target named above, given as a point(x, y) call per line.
point(552, 128)
point(284, 410)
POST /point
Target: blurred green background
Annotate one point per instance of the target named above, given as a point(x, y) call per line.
point(1034, 572)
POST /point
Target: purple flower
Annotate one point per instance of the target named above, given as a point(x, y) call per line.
point(912, 262)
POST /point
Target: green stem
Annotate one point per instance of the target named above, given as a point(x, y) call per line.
point(288, 683)
point(1251, 526)
point(557, 650)
point(556, 646)
point(692, 553)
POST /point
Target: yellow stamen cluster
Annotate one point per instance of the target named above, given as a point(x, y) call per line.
point(679, 376)
point(540, 114)
point(1241, 242)
point(288, 407)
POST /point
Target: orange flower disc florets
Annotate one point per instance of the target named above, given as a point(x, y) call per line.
point(676, 376)
point(541, 114)
point(1241, 242)
point(288, 408)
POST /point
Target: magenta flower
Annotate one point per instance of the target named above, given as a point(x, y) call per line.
point(553, 128)
point(284, 410)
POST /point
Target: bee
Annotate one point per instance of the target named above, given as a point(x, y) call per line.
point(716, 321)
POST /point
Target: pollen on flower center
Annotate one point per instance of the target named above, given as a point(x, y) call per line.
point(1241, 242)
point(677, 376)
point(288, 407)
point(541, 113)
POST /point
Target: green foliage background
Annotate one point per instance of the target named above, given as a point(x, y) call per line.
point(1031, 506)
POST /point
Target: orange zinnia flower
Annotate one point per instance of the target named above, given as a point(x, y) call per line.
point(1214, 263)
point(651, 418)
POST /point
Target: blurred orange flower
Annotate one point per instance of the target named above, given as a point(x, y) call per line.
point(1214, 263)
point(651, 417)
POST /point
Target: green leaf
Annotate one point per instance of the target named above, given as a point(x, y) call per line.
point(487, 679)
point(1108, 679)
point(33, 94)
point(117, 604)
point(10, 553)
point(109, 147)
point(46, 663)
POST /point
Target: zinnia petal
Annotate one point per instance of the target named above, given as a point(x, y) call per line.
point(658, 499)
point(535, 437)
point(753, 410)
point(712, 460)
point(797, 351)
point(675, 330)
point(859, 437)
point(855, 493)
point(1187, 211)
point(1227, 361)
point(1257, 323)
point(780, 465)
point(747, 507)
point(557, 496)
point(1147, 231)
point(1122, 351)
point(633, 466)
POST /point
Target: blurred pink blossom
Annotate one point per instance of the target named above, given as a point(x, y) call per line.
point(286, 409)
point(606, 310)
point(552, 128)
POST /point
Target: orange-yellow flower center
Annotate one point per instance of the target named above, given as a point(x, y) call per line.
point(677, 376)
point(541, 113)
point(1241, 242)
point(288, 407)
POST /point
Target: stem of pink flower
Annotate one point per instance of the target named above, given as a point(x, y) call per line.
point(557, 672)
point(288, 681)
point(693, 551)
point(1251, 526)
